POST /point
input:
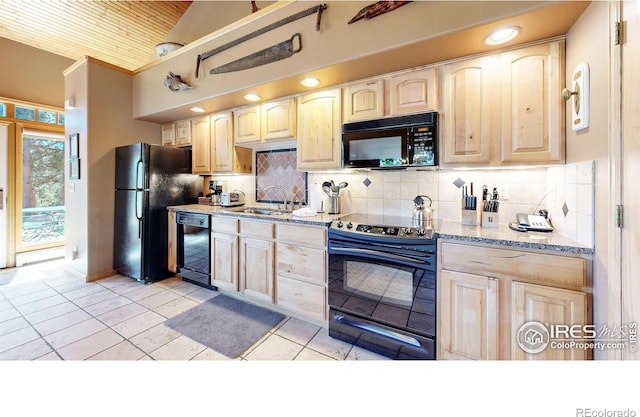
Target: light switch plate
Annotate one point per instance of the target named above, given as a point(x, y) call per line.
point(580, 101)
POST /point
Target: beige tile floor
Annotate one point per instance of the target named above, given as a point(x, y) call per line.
point(48, 314)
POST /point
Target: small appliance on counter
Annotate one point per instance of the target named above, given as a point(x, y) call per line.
point(216, 191)
point(231, 199)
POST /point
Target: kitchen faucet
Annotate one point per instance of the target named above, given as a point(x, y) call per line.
point(284, 194)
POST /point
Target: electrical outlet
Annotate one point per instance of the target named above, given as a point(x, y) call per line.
point(74, 253)
point(503, 192)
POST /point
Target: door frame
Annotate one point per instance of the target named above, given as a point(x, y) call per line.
point(6, 249)
point(33, 130)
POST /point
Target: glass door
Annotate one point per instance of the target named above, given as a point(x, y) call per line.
point(41, 211)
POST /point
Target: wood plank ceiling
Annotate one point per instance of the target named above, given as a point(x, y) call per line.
point(122, 33)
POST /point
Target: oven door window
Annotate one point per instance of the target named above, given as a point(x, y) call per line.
point(399, 296)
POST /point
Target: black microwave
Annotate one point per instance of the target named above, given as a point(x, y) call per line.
point(393, 142)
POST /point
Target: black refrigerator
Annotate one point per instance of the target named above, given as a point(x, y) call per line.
point(148, 179)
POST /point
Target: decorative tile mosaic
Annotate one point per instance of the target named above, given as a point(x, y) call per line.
point(278, 167)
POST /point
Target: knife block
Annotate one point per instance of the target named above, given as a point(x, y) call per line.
point(470, 217)
point(490, 219)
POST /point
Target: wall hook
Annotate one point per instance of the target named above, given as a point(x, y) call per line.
point(566, 93)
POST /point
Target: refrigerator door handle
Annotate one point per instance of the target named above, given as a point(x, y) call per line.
point(139, 183)
point(138, 205)
point(139, 212)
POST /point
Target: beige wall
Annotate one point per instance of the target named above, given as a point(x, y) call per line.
point(30, 74)
point(336, 43)
point(205, 17)
point(588, 41)
point(103, 118)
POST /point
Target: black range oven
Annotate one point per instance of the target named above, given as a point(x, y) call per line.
point(382, 286)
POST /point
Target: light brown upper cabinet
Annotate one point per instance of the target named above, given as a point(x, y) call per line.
point(319, 130)
point(532, 106)
point(168, 134)
point(278, 119)
point(201, 146)
point(505, 108)
point(212, 148)
point(363, 101)
point(183, 132)
point(225, 157)
point(270, 121)
point(413, 92)
point(471, 109)
point(247, 124)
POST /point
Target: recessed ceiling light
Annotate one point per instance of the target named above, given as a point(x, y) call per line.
point(310, 82)
point(252, 97)
point(503, 35)
point(197, 109)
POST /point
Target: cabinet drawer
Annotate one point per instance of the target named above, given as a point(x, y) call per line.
point(300, 262)
point(539, 266)
point(305, 298)
point(303, 235)
point(264, 230)
point(224, 224)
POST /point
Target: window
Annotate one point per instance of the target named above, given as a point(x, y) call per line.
point(42, 180)
point(47, 116)
point(3, 110)
point(25, 113)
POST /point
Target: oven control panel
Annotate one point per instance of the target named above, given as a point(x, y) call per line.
point(384, 231)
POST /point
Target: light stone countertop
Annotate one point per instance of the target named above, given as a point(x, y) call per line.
point(503, 235)
point(446, 229)
point(321, 219)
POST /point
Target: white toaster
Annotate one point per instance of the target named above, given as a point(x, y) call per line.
point(230, 199)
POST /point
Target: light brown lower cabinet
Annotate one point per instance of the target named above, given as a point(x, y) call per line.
point(469, 316)
point(497, 303)
point(273, 263)
point(300, 280)
point(301, 270)
point(172, 243)
point(224, 255)
point(547, 305)
point(256, 268)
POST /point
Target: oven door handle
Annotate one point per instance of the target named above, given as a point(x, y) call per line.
point(379, 331)
point(376, 254)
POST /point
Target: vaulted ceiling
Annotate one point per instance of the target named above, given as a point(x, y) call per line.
point(122, 33)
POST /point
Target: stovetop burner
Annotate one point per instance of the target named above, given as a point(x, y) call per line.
point(381, 226)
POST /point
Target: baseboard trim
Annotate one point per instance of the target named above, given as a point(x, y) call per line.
point(91, 277)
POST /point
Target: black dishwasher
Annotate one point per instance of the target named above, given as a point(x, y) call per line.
point(194, 248)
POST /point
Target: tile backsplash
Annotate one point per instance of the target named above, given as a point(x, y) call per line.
point(573, 208)
point(569, 186)
point(278, 168)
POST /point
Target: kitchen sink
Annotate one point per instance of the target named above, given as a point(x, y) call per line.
point(262, 210)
